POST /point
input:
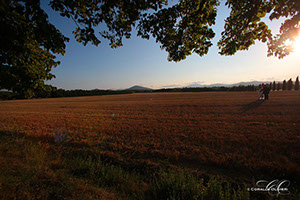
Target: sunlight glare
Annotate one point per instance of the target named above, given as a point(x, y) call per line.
point(297, 45)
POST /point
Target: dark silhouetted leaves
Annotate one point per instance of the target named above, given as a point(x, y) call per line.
point(29, 41)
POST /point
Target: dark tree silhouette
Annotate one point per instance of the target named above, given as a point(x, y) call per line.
point(290, 84)
point(284, 85)
point(274, 86)
point(297, 83)
point(278, 86)
point(29, 42)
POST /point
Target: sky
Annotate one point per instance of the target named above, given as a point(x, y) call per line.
point(142, 62)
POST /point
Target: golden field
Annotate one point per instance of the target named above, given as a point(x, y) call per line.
point(230, 134)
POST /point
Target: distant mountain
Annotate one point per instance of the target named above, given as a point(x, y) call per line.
point(250, 83)
point(227, 85)
point(211, 85)
point(137, 87)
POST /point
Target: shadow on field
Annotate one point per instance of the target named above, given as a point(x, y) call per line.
point(252, 105)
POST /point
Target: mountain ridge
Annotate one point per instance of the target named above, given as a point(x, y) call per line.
point(197, 85)
point(138, 87)
point(227, 85)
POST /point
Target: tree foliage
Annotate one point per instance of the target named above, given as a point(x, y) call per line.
point(278, 86)
point(181, 29)
point(284, 85)
point(29, 42)
point(185, 27)
point(28, 45)
point(274, 86)
point(246, 24)
point(297, 83)
point(290, 84)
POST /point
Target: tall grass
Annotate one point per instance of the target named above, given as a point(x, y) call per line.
point(181, 185)
point(30, 169)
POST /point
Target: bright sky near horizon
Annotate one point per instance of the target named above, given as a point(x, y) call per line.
point(142, 62)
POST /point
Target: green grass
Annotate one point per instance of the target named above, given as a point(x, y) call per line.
point(35, 168)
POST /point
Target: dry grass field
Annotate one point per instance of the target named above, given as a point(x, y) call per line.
point(228, 134)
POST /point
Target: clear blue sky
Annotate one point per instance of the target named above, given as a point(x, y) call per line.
point(142, 62)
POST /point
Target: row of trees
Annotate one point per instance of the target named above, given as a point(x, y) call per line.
point(285, 85)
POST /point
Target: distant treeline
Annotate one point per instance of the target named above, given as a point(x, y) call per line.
point(53, 92)
point(209, 89)
point(76, 93)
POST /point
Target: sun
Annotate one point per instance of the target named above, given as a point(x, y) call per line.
point(296, 45)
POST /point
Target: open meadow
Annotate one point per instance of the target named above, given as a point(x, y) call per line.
point(133, 146)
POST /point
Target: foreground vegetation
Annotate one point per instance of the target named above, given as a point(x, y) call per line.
point(148, 146)
point(38, 168)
